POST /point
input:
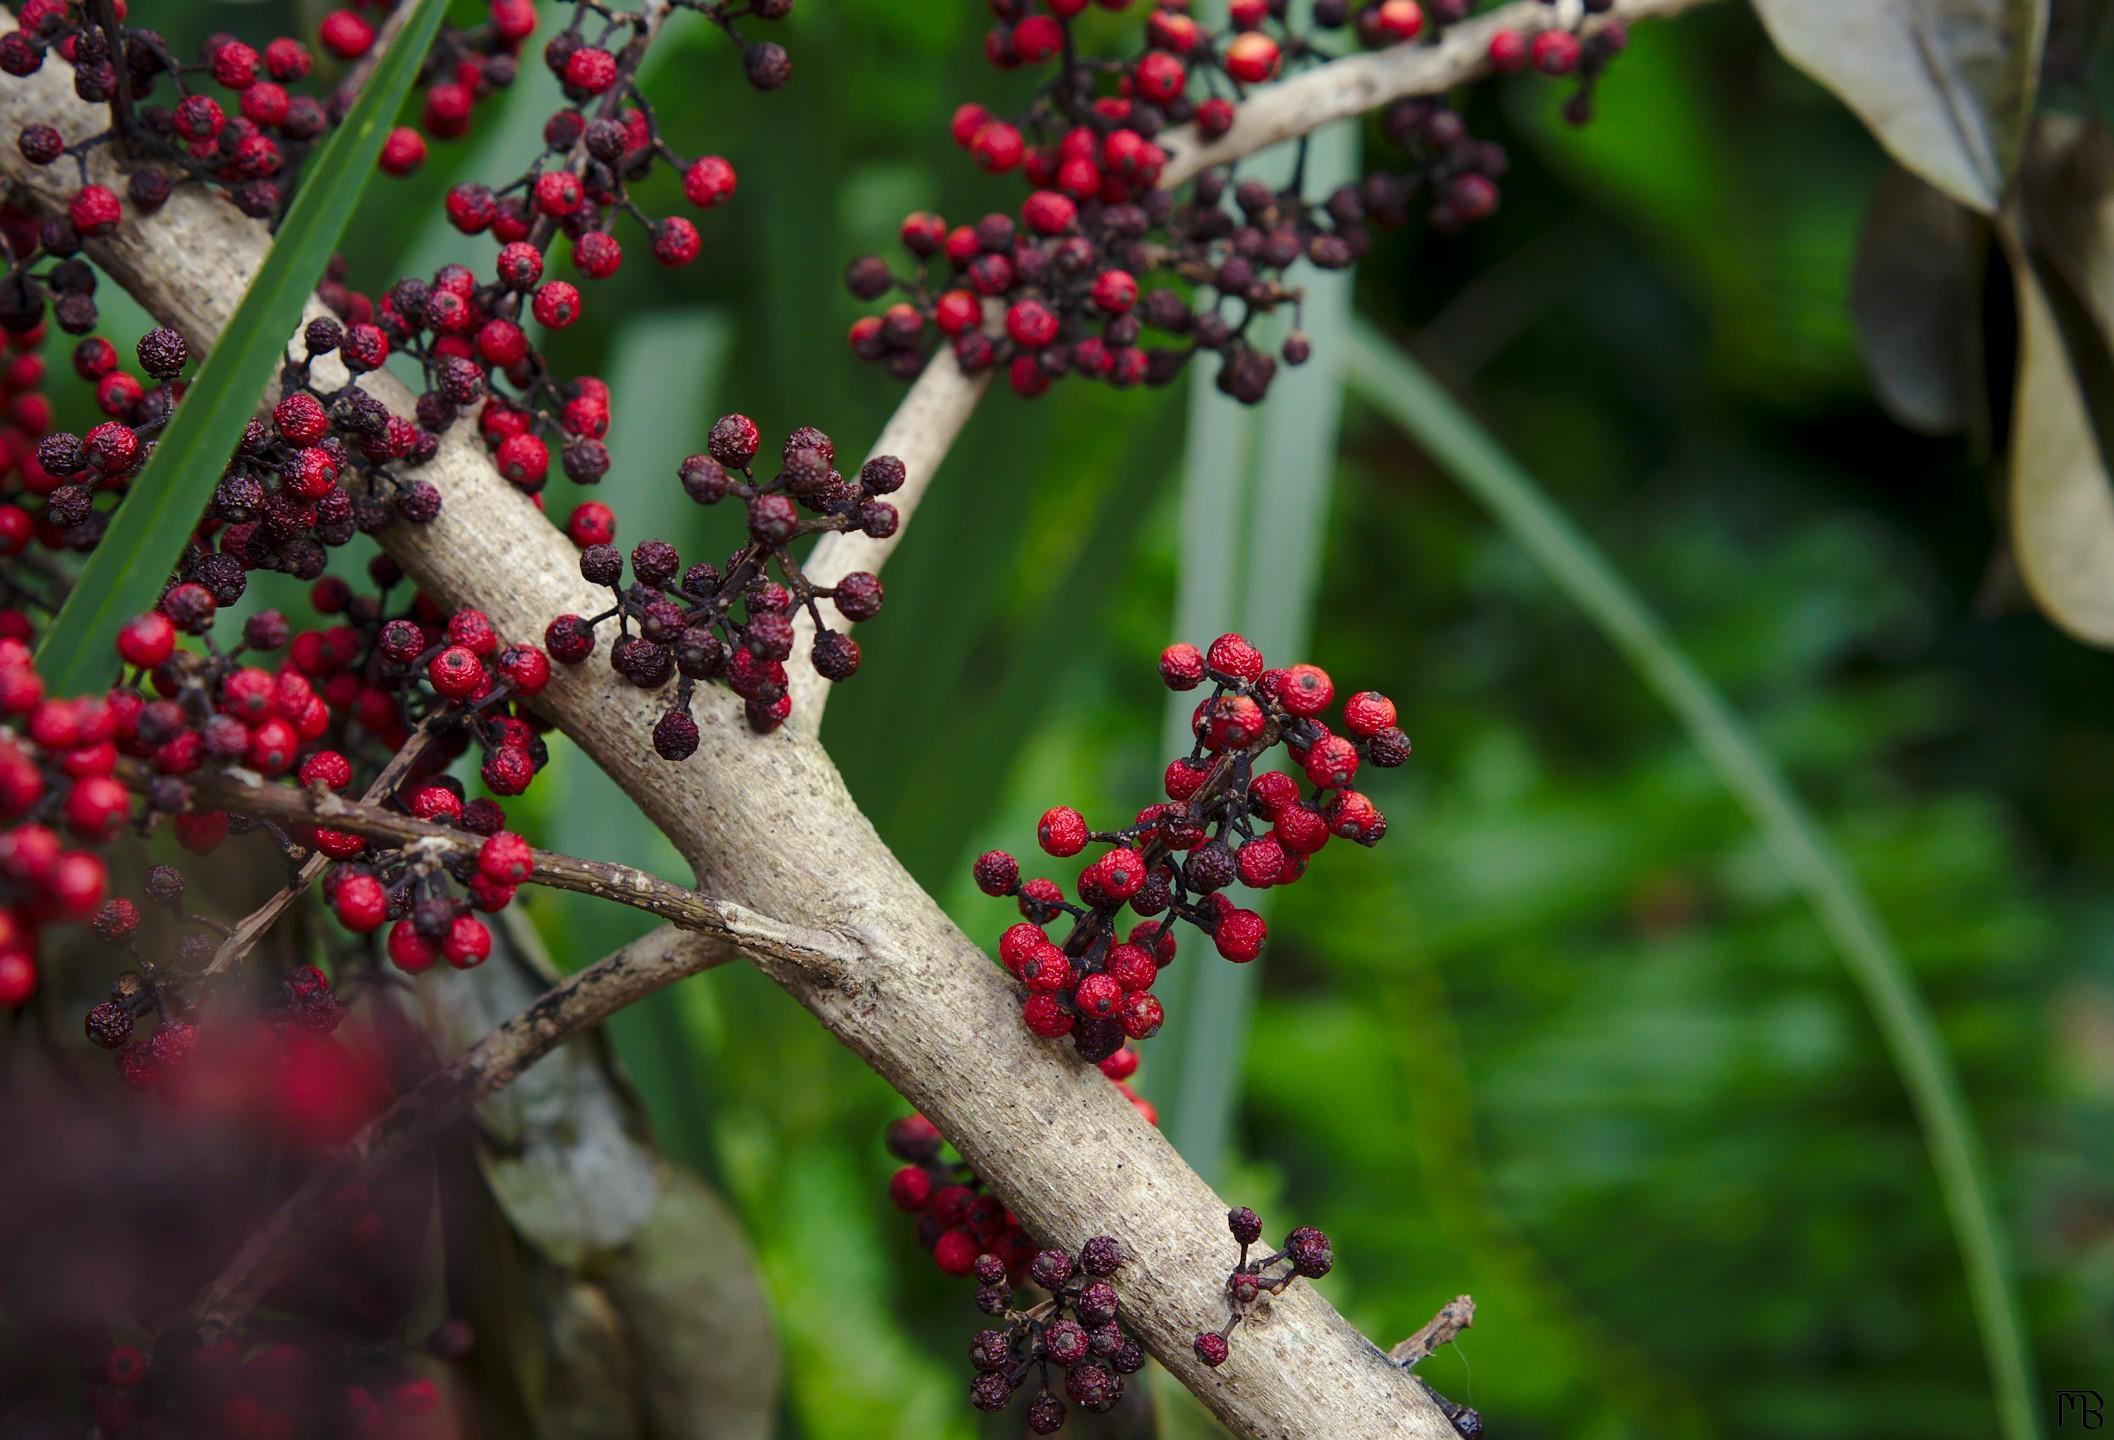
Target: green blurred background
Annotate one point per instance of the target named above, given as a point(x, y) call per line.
point(1568, 1039)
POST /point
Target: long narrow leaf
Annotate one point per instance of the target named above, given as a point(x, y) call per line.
point(1255, 484)
point(1401, 390)
point(125, 573)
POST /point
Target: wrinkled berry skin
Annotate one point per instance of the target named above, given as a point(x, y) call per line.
point(1227, 822)
point(1308, 1250)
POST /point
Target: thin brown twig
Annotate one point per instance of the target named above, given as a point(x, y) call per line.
point(243, 792)
point(252, 927)
point(1441, 1329)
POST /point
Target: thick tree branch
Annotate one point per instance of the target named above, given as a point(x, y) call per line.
point(940, 402)
point(767, 822)
point(577, 1003)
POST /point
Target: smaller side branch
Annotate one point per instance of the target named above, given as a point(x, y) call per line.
point(575, 1004)
point(1356, 84)
point(1441, 1329)
point(919, 433)
point(252, 927)
point(821, 956)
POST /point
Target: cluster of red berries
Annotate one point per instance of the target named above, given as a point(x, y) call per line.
point(687, 627)
point(343, 697)
point(44, 880)
point(1178, 858)
point(288, 1386)
point(253, 155)
point(1561, 52)
point(417, 888)
point(70, 474)
point(959, 1220)
point(470, 336)
point(1064, 287)
point(1306, 1252)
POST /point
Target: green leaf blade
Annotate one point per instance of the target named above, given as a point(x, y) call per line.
point(1400, 390)
point(124, 574)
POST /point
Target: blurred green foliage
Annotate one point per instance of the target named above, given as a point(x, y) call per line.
point(1566, 1040)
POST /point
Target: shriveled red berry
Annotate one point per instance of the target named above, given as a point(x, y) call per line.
point(1182, 667)
point(1062, 831)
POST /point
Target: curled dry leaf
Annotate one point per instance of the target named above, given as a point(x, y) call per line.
point(2060, 246)
point(1915, 292)
point(1945, 85)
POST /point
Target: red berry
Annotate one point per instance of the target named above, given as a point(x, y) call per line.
point(1233, 655)
point(1305, 690)
point(708, 181)
point(1142, 1015)
point(526, 668)
point(407, 950)
point(1399, 20)
point(1062, 831)
point(558, 193)
point(1031, 323)
point(96, 807)
point(1367, 713)
point(328, 769)
point(345, 34)
point(1046, 1017)
point(468, 942)
point(506, 858)
point(1240, 935)
point(1020, 941)
point(18, 979)
point(956, 1252)
point(361, 905)
point(1115, 291)
point(1161, 77)
point(675, 241)
point(1046, 970)
point(1260, 862)
point(997, 147)
point(1332, 762)
point(968, 119)
point(1555, 52)
point(590, 69)
point(910, 1189)
point(147, 641)
point(1099, 996)
point(1252, 57)
point(234, 65)
point(1182, 667)
point(1131, 967)
point(455, 673)
point(403, 152)
point(557, 305)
